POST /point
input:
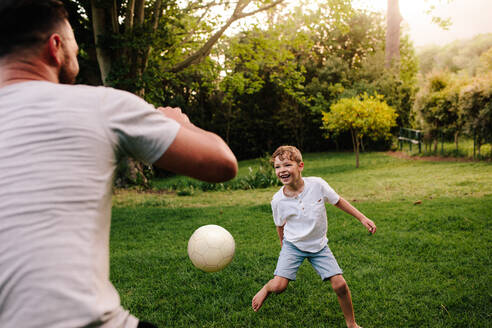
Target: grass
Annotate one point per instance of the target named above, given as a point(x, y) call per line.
point(429, 265)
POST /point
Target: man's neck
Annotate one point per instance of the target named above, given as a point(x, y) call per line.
point(16, 71)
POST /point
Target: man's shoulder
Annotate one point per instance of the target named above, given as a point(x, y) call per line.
point(73, 91)
point(99, 89)
point(91, 89)
point(62, 91)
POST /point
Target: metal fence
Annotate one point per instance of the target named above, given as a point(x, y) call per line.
point(444, 144)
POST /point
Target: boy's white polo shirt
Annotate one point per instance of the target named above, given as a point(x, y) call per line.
point(304, 216)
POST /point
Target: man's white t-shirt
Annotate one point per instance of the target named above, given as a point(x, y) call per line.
point(57, 158)
point(304, 216)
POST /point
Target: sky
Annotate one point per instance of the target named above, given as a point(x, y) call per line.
point(468, 17)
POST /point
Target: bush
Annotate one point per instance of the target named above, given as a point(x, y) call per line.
point(261, 177)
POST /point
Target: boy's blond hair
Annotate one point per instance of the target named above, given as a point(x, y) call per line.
point(287, 152)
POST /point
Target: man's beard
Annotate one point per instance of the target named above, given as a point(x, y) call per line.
point(65, 76)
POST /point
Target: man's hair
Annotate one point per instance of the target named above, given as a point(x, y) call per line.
point(287, 152)
point(27, 23)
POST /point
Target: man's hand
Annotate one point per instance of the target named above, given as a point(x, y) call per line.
point(197, 153)
point(174, 113)
point(371, 227)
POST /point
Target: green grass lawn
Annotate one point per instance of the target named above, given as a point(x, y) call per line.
point(429, 264)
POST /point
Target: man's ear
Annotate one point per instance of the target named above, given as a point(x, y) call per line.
point(55, 51)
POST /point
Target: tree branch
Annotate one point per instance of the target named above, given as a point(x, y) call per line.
point(254, 12)
point(194, 29)
point(207, 47)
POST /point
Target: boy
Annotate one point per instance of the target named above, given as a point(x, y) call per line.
point(299, 214)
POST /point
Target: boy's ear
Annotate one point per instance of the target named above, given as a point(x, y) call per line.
point(301, 166)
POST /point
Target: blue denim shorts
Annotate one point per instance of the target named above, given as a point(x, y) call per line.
point(291, 258)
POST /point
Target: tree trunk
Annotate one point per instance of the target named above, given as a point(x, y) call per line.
point(99, 24)
point(393, 21)
point(355, 143)
point(136, 60)
point(145, 59)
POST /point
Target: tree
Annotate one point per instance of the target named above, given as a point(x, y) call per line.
point(262, 80)
point(471, 56)
point(437, 106)
point(394, 19)
point(141, 20)
point(476, 102)
point(363, 116)
point(282, 77)
point(238, 13)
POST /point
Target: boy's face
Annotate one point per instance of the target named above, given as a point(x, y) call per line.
point(288, 171)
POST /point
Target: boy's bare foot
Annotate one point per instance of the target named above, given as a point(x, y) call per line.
point(258, 299)
point(354, 326)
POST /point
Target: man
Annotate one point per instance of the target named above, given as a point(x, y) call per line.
point(57, 159)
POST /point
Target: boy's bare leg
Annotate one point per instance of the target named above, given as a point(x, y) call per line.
point(276, 285)
point(345, 299)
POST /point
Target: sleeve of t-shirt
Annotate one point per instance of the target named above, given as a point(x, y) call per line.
point(136, 127)
point(329, 195)
point(277, 219)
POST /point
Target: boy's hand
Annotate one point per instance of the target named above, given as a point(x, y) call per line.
point(370, 226)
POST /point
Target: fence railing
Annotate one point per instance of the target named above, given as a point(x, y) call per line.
point(413, 137)
point(443, 143)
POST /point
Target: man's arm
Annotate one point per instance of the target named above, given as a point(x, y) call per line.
point(280, 232)
point(348, 208)
point(197, 153)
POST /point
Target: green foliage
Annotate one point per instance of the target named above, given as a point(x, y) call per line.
point(461, 57)
point(451, 105)
point(436, 106)
point(364, 116)
point(398, 88)
point(261, 176)
point(485, 65)
point(267, 85)
point(476, 103)
point(280, 79)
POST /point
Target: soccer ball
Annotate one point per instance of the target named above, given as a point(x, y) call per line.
point(211, 248)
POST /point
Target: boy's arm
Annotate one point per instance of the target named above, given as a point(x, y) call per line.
point(280, 232)
point(348, 208)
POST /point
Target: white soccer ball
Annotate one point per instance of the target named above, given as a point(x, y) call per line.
point(211, 248)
